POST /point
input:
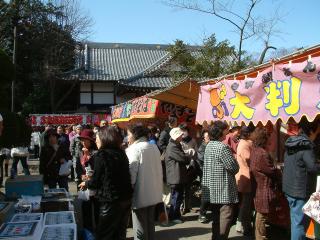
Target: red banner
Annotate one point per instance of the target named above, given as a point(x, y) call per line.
point(68, 119)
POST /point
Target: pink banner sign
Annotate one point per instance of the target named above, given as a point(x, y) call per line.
point(278, 92)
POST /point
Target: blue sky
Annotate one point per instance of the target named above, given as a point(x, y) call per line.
point(150, 21)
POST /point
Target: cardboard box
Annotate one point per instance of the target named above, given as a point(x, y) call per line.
point(54, 205)
point(52, 202)
point(24, 185)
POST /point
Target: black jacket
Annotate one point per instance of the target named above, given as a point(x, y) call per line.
point(176, 164)
point(164, 139)
point(50, 168)
point(200, 155)
point(299, 174)
point(111, 177)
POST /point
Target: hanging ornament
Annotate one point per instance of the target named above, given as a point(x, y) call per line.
point(310, 67)
point(267, 77)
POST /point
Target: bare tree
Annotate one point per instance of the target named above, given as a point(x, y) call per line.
point(73, 18)
point(267, 30)
point(244, 23)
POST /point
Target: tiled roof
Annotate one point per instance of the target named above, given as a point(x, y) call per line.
point(149, 82)
point(135, 65)
point(114, 62)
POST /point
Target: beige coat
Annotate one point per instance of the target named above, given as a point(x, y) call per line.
point(243, 158)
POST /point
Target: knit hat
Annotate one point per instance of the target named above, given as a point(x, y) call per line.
point(175, 133)
point(79, 126)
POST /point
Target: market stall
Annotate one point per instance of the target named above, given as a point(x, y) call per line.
point(32, 212)
point(150, 110)
point(278, 93)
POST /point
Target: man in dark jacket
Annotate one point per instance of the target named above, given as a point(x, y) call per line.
point(63, 139)
point(165, 134)
point(164, 141)
point(299, 175)
point(176, 169)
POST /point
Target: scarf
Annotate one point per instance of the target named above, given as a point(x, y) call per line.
point(85, 158)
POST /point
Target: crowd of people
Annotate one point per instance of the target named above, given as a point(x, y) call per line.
point(125, 172)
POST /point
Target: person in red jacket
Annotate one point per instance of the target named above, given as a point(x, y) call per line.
point(263, 177)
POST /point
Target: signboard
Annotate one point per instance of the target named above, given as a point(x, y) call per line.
point(142, 107)
point(279, 92)
point(67, 119)
point(183, 114)
point(147, 108)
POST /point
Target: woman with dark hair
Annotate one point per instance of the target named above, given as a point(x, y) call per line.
point(89, 148)
point(146, 180)
point(85, 168)
point(263, 181)
point(244, 148)
point(51, 157)
point(218, 180)
point(153, 131)
point(111, 180)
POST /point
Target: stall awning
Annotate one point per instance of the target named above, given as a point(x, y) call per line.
point(283, 89)
point(184, 93)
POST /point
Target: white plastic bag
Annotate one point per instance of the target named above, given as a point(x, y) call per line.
point(84, 195)
point(65, 168)
point(312, 207)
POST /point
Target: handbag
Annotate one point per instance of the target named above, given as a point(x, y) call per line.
point(312, 207)
point(65, 168)
point(84, 195)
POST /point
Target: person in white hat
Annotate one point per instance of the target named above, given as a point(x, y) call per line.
point(1, 124)
point(176, 161)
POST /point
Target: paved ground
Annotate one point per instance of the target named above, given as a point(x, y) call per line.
point(192, 229)
point(189, 229)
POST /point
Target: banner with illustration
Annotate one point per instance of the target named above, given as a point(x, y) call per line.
point(147, 108)
point(278, 92)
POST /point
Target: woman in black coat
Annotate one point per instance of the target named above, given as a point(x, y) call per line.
point(51, 157)
point(112, 182)
point(85, 169)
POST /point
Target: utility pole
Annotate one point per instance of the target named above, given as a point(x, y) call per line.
point(15, 4)
point(14, 64)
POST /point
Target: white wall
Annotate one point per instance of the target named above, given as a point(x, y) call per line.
point(103, 93)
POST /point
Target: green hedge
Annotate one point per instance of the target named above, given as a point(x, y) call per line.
point(16, 131)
